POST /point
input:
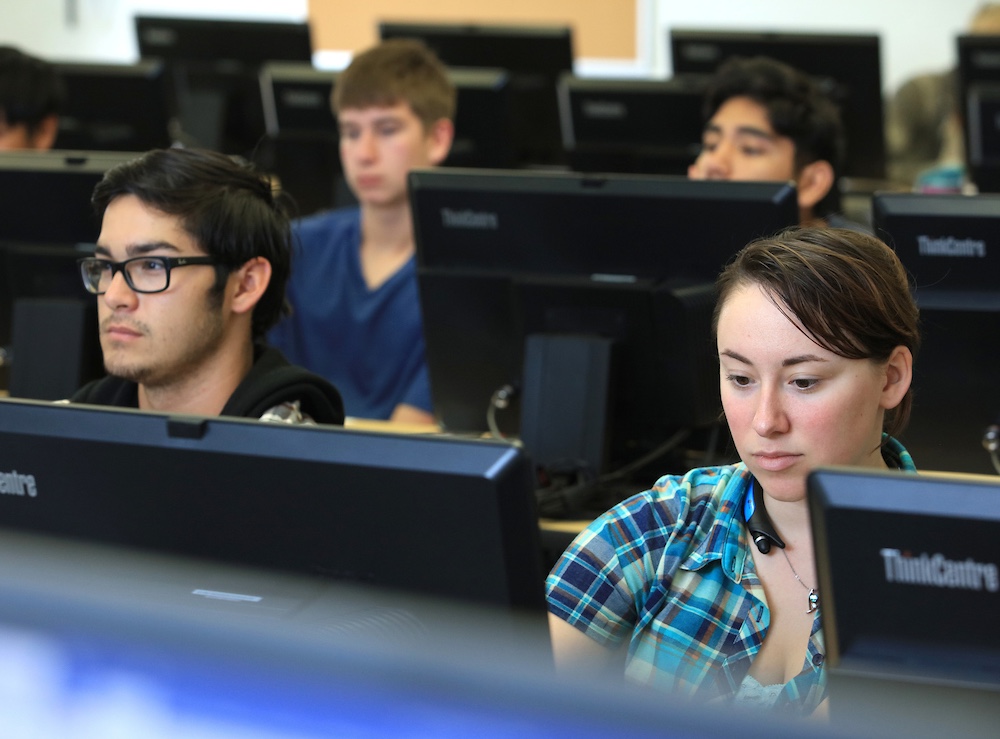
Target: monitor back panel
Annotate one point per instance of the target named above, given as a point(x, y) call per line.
point(950, 245)
point(641, 126)
point(437, 516)
point(904, 561)
point(115, 107)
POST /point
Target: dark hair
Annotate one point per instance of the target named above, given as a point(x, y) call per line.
point(226, 206)
point(30, 89)
point(796, 107)
point(393, 71)
point(847, 291)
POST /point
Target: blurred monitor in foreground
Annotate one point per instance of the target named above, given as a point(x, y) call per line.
point(94, 643)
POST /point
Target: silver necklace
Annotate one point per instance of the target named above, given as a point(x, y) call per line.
point(813, 595)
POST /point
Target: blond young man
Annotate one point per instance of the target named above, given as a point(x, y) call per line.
point(356, 315)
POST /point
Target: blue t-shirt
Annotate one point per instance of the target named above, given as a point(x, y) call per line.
point(369, 343)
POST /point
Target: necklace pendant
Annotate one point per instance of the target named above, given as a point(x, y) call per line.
point(813, 600)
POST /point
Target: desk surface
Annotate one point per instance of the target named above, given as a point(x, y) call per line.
point(371, 424)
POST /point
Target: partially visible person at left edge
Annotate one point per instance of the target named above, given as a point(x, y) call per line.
point(31, 98)
point(190, 271)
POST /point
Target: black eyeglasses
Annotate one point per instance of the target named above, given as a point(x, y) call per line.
point(142, 274)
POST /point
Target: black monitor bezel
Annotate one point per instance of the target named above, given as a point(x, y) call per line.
point(888, 208)
point(504, 278)
point(223, 41)
point(630, 141)
point(133, 96)
point(534, 57)
point(244, 516)
point(978, 82)
point(213, 67)
point(857, 643)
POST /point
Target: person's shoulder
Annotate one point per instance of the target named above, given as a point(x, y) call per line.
point(698, 484)
point(689, 497)
point(274, 381)
point(928, 85)
point(328, 225)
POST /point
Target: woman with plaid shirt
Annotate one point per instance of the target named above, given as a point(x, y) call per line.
point(705, 584)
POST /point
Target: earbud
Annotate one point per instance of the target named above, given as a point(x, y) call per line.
point(762, 542)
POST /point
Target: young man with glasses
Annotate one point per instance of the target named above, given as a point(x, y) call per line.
point(190, 270)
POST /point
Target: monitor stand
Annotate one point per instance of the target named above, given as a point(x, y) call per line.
point(564, 402)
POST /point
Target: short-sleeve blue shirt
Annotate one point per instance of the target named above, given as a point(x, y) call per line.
point(369, 343)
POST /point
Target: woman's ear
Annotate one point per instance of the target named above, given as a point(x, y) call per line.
point(898, 375)
point(249, 283)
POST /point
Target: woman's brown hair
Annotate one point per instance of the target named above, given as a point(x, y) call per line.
point(846, 290)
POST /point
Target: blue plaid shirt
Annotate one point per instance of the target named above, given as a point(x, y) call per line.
point(670, 570)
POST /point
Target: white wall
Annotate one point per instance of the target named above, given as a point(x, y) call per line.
point(917, 35)
point(101, 30)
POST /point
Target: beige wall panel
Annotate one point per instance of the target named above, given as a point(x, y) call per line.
point(602, 29)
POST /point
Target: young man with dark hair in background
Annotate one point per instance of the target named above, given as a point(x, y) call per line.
point(356, 314)
point(767, 121)
point(31, 98)
point(190, 269)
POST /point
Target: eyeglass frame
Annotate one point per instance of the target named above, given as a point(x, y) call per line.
point(169, 263)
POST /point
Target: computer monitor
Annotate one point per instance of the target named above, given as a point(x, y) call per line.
point(848, 66)
point(590, 296)
point(96, 643)
point(902, 561)
point(638, 126)
point(534, 57)
point(484, 119)
point(434, 515)
point(116, 107)
point(979, 106)
point(46, 195)
point(302, 144)
point(48, 224)
point(213, 65)
point(296, 98)
point(950, 246)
